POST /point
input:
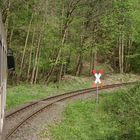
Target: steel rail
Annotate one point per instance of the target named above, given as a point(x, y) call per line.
point(76, 93)
point(56, 96)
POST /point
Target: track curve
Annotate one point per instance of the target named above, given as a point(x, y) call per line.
point(50, 101)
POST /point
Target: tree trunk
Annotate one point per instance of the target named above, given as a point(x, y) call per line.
point(120, 56)
point(127, 65)
point(11, 35)
point(36, 60)
point(80, 57)
point(91, 60)
point(79, 65)
point(95, 58)
point(37, 69)
point(122, 61)
point(61, 72)
point(7, 16)
point(73, 6)
point(30, 57)
point(25, 46)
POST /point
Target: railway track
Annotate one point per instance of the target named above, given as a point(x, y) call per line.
point(26, 113)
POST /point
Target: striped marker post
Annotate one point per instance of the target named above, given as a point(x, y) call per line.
point(97, 82)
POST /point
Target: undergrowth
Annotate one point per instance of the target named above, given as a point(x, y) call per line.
point(116, 117)
point(21, 94)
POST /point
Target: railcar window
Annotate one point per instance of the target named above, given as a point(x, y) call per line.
point(10, 60)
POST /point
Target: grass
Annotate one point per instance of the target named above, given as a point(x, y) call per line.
point(24, 93)
point(116, 117)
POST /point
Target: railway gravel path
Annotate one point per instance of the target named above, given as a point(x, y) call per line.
point(25, 124)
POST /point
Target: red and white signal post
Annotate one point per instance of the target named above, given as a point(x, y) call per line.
point(97, 81)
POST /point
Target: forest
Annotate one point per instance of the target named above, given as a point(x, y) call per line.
point(56, 45)
point(52, 38)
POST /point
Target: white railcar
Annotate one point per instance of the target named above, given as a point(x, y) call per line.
point(3, 73)
point(6, 61)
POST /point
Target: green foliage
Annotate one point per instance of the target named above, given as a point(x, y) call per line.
point(124, 108)
point(116, 117)
point(135, 59)
point(77, 27)
point(21, 94)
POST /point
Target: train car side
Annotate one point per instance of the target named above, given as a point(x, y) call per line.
point(3, 73)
